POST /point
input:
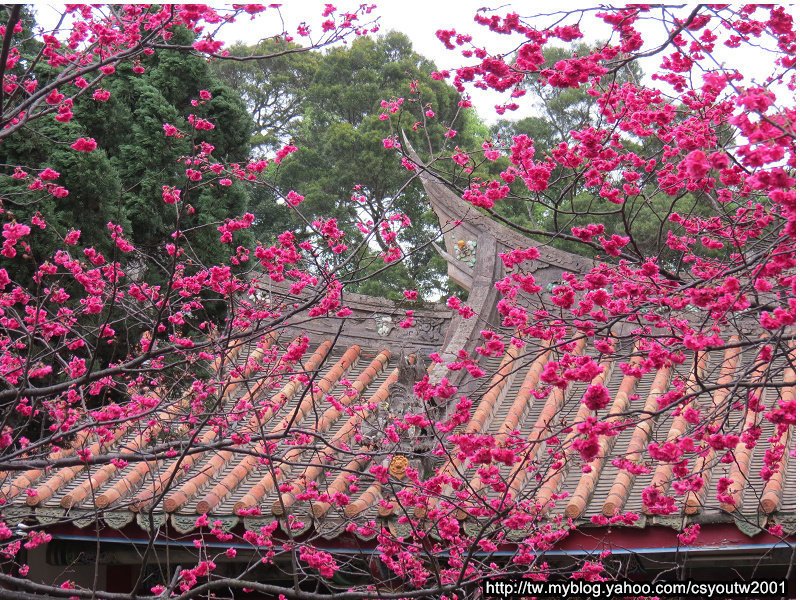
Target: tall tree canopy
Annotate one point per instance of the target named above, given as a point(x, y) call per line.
point(330, 106)
point(122, 180)
point(121, 183)
point(561, 112)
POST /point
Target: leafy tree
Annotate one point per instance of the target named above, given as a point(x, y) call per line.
point(562, 205)
point(330, 106)
point(273, 87)
point(559, 111)
point(122, 181)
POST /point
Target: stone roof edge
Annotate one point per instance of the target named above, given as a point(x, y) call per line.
point(450, 208)
point(185, 523)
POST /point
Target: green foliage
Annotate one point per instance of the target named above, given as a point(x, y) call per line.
point(563, 205)
point(559, 111)
point(121, 181)
point(95, 190)
point(273, 88)
point(330, 106)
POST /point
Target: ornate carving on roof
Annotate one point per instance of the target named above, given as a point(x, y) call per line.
point(117, 519)
point(402, 414)
point(461, 223)
point(383, 324)
point(370, 317)
point(466, 251)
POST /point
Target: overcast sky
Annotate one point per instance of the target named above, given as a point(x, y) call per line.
point(420, 19)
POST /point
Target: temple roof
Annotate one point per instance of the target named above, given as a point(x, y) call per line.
point(240, 483)
point(285, 435)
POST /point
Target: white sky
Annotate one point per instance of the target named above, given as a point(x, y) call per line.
point(419, 20)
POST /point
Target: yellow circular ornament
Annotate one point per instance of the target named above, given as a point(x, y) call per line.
point(397, 468)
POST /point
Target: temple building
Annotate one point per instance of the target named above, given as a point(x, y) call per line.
point(108, 515)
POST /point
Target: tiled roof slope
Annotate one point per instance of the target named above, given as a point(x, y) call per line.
point(599, 488)
point(323, 436)
point(246, 483)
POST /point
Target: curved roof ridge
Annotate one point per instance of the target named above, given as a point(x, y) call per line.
point(461, 222)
